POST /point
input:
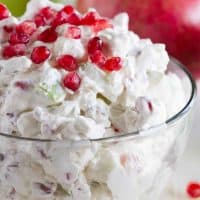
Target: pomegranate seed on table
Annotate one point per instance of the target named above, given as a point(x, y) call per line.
point(90, 18)
point(72, 81)
point(16, 38)
point(27, 27)
point(98, 58)
point(73, 32)
point(94, 44)
point(40, 54)
point(13, 50)
point(49, 35)
point(4, 12)
point(193, 190)
point(67, 62)
point(112, 64)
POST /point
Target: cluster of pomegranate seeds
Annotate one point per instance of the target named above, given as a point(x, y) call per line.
point(40, 54)
point(66, 15)
point(73, 32)
point(45, 16)
point(13, 50)
point(49, 35)
point(72, 81)
point(98, 23)
point(193, 190)
point(96, 55)
point(4, 12)
point(67, 62)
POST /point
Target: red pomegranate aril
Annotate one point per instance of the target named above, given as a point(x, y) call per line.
point(90, 18)
point(47, 13)
point(39, 20)
point(73, 32)
point(13, 50)
point(40, 54)
point(193, 190)
point(98, 58)
point(72, 81)
point(68, 9)
point(67, 62)
point(8, 29)
point(27, 27)
point(16, 38)
point(4, 12)
point(94, 44)
point(60, 19)
point(101, 24)
point(112, 64)
point(49, 35)
point(73, 19)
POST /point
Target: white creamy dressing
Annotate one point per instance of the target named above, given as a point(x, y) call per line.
point(138, 96)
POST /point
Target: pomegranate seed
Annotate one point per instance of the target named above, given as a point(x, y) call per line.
point(73, 19)
point(49, 35)
point(45, 16)
point(60, 18)
point(90, 18)
point(101, 24)
point(94, 44)
point(98, 58)
point(72, 81)
point(47, 13)
point(8, 29)
point(193, 190)
point(112, 64)
point(27, 27)
point(39, 20)
point(16, 38)
point(4, 12)
point(14, 50)
point(68, 9)
point(67, 62)
point(73, 32)
point(40, 54)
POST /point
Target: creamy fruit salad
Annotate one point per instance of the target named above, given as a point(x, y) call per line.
point(69, 77)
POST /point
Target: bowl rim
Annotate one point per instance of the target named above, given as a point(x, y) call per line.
point(186, 108)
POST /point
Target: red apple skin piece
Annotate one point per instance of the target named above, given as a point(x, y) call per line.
point(173, 22)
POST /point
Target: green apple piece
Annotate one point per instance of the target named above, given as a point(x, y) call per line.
point(17, 7)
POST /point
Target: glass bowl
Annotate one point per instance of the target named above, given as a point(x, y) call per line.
point(133, 166)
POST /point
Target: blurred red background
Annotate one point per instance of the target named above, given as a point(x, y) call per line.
point(173, 22)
